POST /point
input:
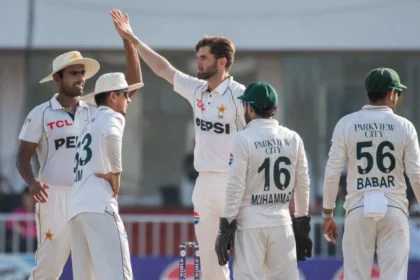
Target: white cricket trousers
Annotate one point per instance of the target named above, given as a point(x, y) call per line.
point(388, 236)
point(209, 202)
point(53, 235)
point(265, 254)
point(99, 247)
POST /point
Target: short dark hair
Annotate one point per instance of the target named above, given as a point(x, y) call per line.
point(61, 73)
point(266, 112)
point(219, 47)
point(101, 98)
point(376, 96)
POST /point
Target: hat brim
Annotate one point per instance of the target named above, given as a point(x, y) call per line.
point(400, 87)
point(91, 96)
point(91, 68)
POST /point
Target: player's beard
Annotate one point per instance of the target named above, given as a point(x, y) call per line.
point(247, 115)
point(208, 73)
point(71, 91)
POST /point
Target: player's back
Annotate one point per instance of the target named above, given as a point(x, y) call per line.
point(375, 141)
point(91, 193)
point(270, 179)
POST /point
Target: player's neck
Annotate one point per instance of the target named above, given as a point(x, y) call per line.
point(379, 103)
point(216, 80)
point(68, 102)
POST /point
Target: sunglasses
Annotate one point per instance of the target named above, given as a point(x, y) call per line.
point(125, 91)
point(399, 91)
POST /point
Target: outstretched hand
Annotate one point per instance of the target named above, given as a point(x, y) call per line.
point(122, 25)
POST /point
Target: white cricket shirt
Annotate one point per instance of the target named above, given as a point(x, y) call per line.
point(56, 132)
point(268, 164)
point(91, 193)
point(218, 115)
point(376, 144)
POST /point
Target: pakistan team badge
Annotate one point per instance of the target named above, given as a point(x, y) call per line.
point(221, 111)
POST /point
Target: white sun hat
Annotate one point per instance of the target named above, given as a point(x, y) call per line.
point(111, 82)
point(72, 58)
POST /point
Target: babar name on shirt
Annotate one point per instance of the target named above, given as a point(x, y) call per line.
point(382, 159)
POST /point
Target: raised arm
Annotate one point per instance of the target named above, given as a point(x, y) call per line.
point(159, 65)
point(133, 73)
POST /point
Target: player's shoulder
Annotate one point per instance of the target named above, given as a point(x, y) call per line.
point(288, 133)
point(181, 77)
point(241, 136)
point(236, 88)
point(40, 109)
point(347, 120)
point(114, 117)
point(404, 122)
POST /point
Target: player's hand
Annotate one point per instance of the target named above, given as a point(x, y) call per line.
point(122, 25)
point(225, 240)
point(301, 229)
point(38, 191)
point(330, 230)
point(114, 180)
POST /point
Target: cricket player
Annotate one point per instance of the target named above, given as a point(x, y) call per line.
point(267, 164)
point(377, 145)
point(218, 115)
point(99, 242)
point(51, 129)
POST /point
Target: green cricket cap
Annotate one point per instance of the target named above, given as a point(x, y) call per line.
point(382, 79)
point(261, 95)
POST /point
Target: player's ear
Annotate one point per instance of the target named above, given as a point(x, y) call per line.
point(113, 96)
point(56, 77)
point(222, 62)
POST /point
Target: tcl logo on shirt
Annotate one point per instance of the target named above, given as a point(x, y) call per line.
point(217, 127)
point(59, 124)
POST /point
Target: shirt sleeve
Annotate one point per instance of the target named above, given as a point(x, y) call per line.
point(337, 158)
point(301, 189)
point(237, 176)
point(113, 148)
point(32, 127)
point(187, 85)
point(113, 125)
point(412, 160)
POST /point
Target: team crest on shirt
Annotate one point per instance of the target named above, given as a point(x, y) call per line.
point(196, 218)
point(230, 159)
point(221, 111)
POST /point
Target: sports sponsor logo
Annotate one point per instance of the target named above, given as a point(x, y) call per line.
point(171, 272)
point(217, 127)
point(200, 105)
point(59, 124)
point(69, 142)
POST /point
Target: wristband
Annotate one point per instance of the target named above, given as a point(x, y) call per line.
point(327, 216)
